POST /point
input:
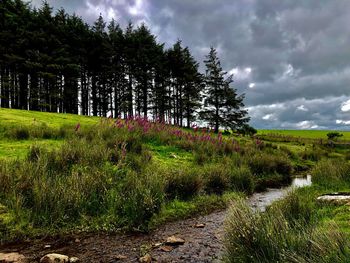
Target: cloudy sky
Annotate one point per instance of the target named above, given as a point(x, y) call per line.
point(290, 57)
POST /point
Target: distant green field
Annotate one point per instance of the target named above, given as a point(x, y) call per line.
point(309, 134)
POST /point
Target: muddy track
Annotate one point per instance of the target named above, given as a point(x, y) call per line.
point(202, 244)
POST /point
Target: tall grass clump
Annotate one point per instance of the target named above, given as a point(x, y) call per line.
point(331, 174)
point(242, 180)
point(37, 131)
point(216, 178)
point(138, 198)
point(315, 154)
point(263, 163)
point(183, 183)
point(272, 237)
point(18, 133)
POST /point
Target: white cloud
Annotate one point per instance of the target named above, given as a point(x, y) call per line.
point(241, 73)
point(137, 8)
point(268, 117)
point(251, 85)
point(302, 108)
point(345, 106)
point(306, 125)
point(342, 122)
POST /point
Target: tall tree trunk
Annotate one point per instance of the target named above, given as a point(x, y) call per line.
point(34, 92)
point(94, 96)
point(23, 91)
point(130, 97)
point(5, 89)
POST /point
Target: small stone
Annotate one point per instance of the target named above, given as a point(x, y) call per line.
point(12, 258)
point(156, 245)
point(166, 248)
point(121, 257)
point(54, 258)
point(74, 260)
point(199, 226)
point(77, 240)
point(145, 259)
point(47, 246)
point(173, 240)
point(335, 198)
point(173, 156)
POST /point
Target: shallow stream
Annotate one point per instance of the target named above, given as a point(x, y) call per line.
point(259, 201)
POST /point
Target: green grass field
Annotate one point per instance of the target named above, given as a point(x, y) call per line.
point(81, 180)
point(307, 134)
point(10, 148)
point(24, 117)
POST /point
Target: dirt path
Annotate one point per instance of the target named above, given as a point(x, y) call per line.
point(202, 244)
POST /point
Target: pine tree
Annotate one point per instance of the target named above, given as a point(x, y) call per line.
point(222, 106)
point(57, 62)
point(117, 70)
point(192, 87)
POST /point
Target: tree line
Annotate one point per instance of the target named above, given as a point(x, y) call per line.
point(55, 62)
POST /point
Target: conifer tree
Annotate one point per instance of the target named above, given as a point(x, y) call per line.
point(56, 62)
point(222, 106)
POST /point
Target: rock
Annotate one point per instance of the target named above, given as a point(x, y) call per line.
point(121, 257)
point(54, 258)
point(12, 258)
point(47, 246)
point(199, 226)
point(156, 245)
point(174, 241)
point(145, 259)
point(74, 260)
point(166, 248)
point(335, 198)
point(77, 240)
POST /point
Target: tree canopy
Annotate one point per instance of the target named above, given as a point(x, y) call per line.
point(56, 62)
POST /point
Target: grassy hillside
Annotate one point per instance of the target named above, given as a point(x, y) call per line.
point(112, 174)
point(12, 121)
point(9, 117)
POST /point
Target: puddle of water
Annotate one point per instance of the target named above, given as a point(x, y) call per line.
point(259, 201)
point(302, 181)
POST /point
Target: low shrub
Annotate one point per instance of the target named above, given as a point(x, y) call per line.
point(201, 157)
point(288, 152)
point(36, 131)
point(183, 183)
point(241, 179)
point(314, 154)
point(262, 163)
point(138, 198)
point(216, 178)
point(77, 151)
point(19, 133)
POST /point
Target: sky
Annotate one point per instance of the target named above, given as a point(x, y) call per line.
point(291, 58)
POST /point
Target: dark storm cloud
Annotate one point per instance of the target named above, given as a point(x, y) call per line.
point(293, 54)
